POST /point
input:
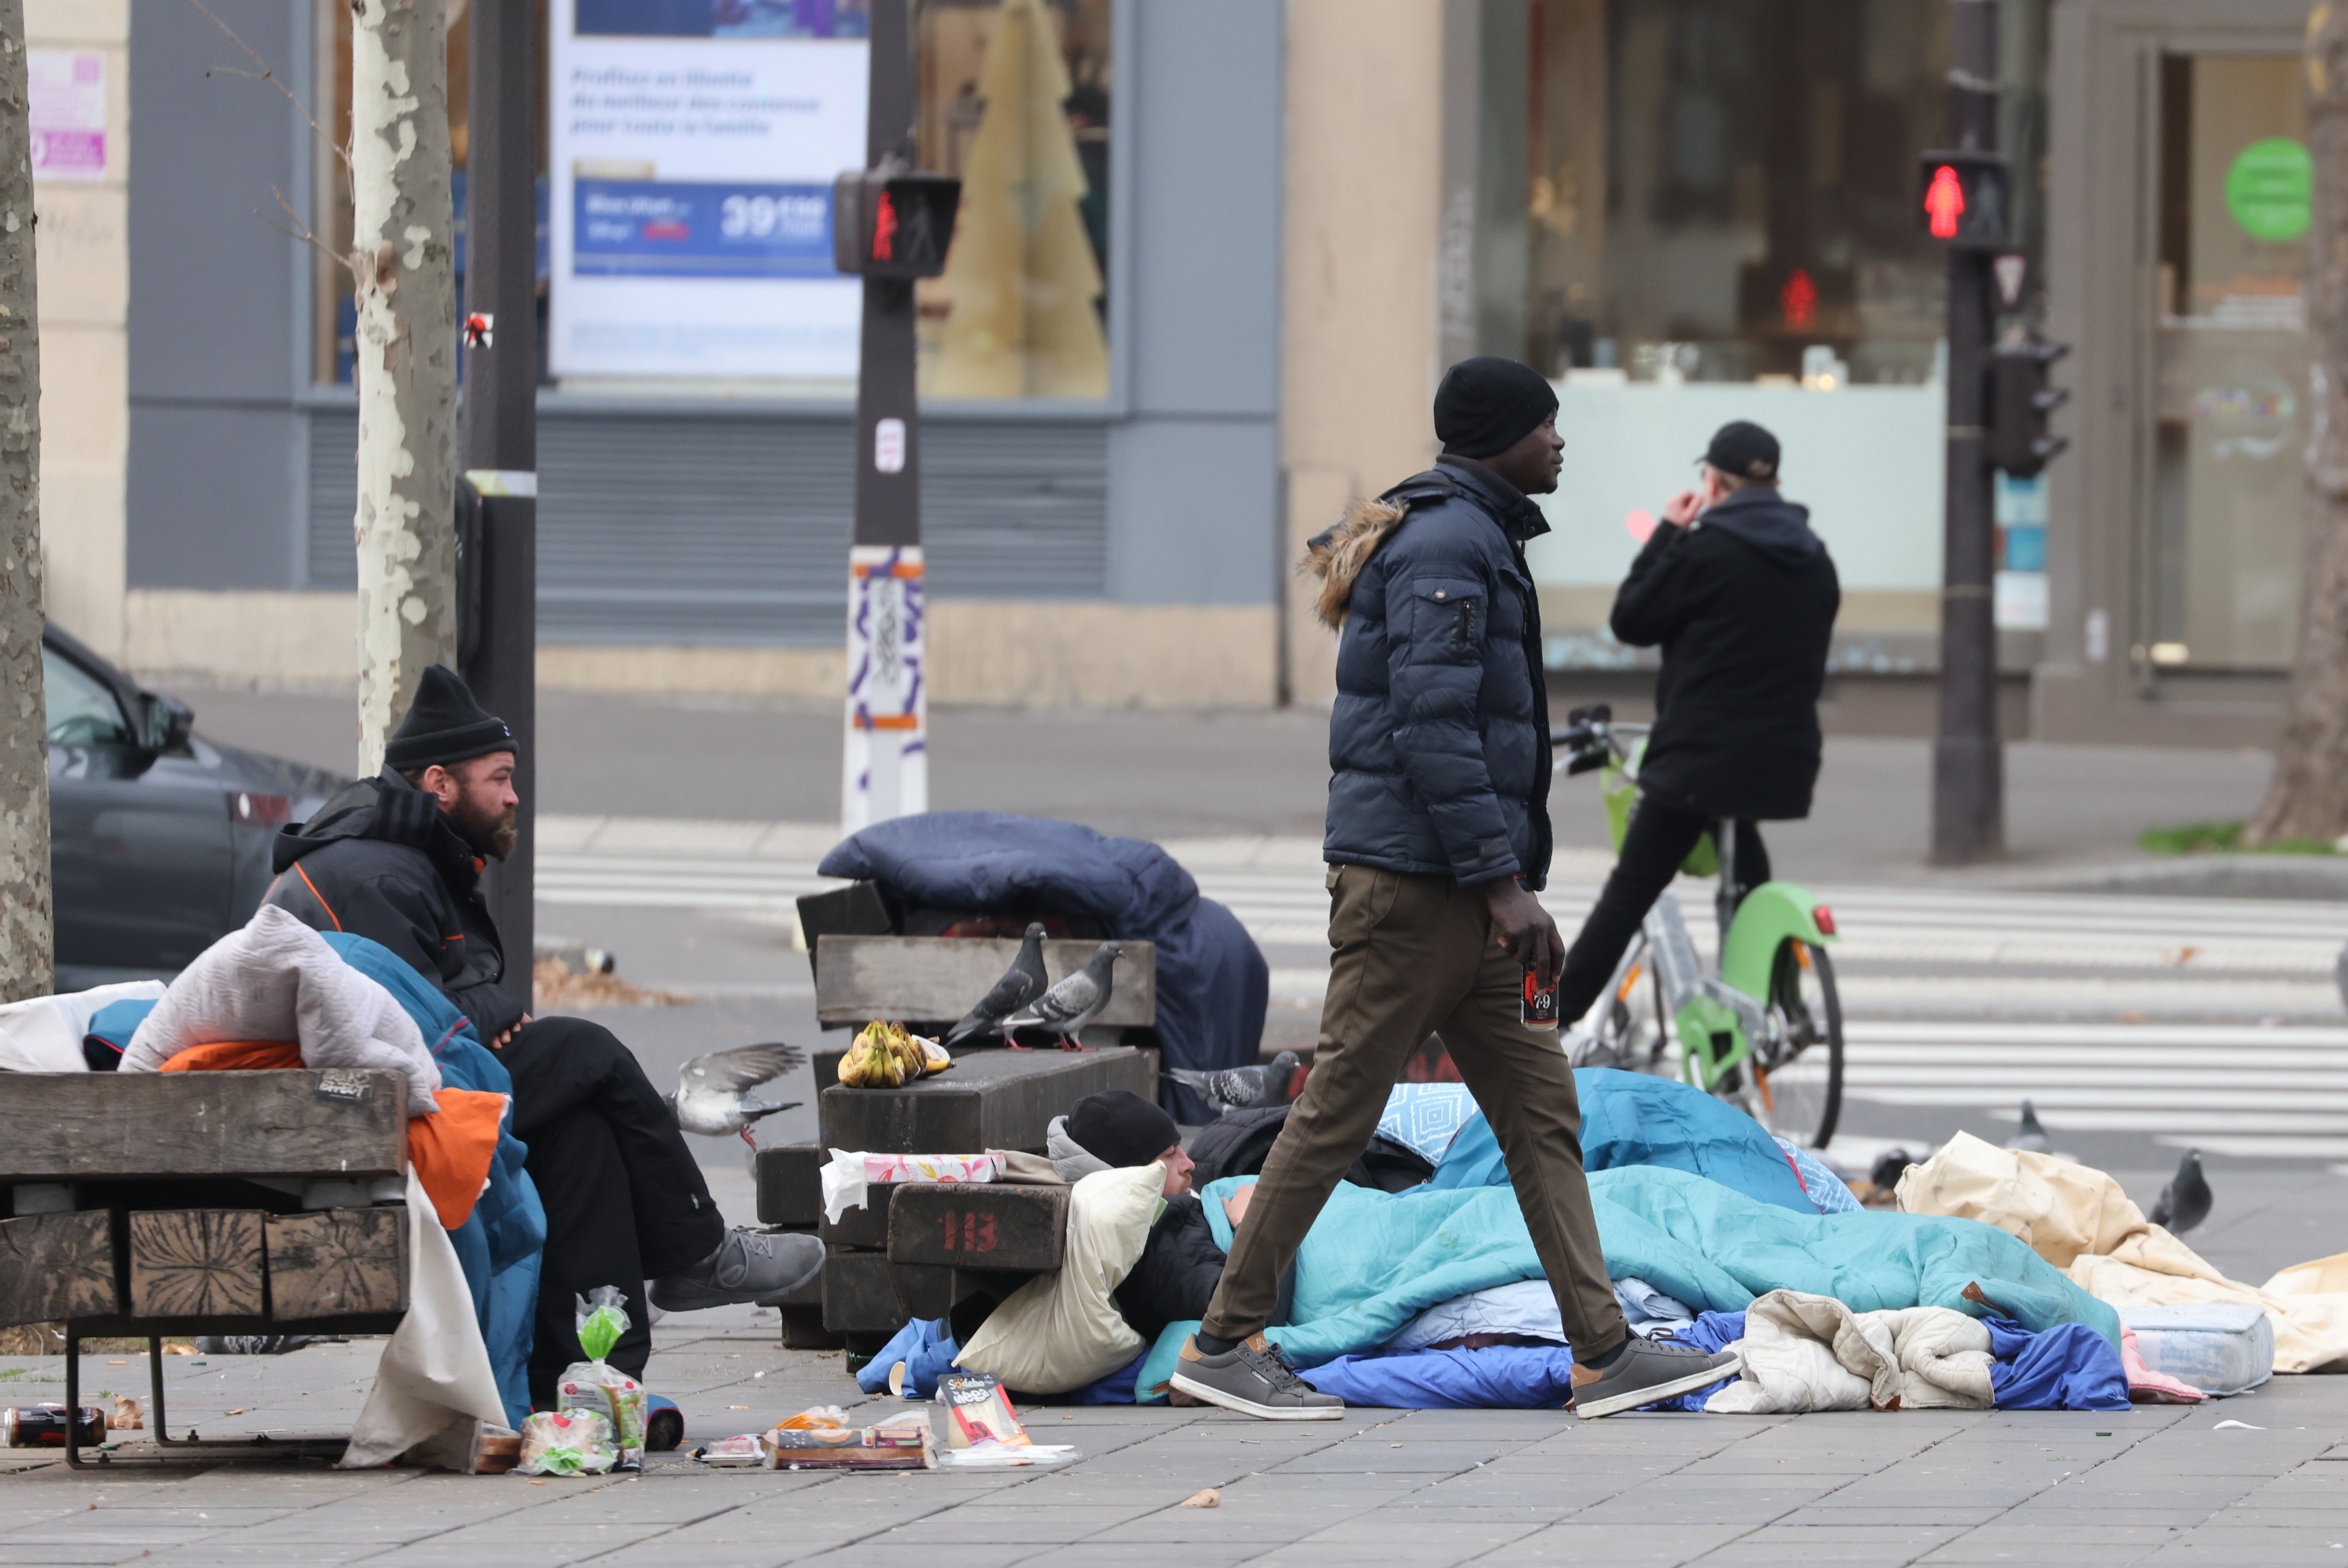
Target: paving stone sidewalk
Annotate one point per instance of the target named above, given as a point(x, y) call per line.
point(1423, 1487)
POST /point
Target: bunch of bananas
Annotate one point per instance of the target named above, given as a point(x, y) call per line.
point(883, 1056)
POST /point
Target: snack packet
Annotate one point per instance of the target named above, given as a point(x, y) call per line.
point(595, 1384)
point(814, 1419)
point(978, 1412)
point(567, 1442)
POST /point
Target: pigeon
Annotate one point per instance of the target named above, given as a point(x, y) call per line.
point(1020, 984)
point(1890, 1166)
point(709, 1098)
point(1275, 1083)
point(1067, 1007)
point(2185, 1202)
point(2031, 1138)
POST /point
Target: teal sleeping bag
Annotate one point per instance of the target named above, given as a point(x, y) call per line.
point(1374, 1261)
point(1636, 1119)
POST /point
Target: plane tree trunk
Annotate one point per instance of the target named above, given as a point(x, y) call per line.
point(2308, 797)
point(403, 267)
point(27, 955)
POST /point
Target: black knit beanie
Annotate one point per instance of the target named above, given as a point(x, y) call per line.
point(1487, 404)
point(1119, 1127)
point(445, 725)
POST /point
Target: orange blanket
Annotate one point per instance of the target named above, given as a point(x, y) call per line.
point(452, 1151)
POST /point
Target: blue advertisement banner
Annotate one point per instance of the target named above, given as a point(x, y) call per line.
point(724, 18)
point(679, 228)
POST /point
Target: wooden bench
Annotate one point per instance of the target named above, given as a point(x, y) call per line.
point(133, 1211)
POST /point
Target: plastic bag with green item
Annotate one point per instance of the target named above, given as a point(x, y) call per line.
point(596, 1385)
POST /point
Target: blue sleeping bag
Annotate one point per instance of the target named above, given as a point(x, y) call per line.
point(1635, 1119)
point(1374, 1261)
point(1212, 981)
point(502, 1242)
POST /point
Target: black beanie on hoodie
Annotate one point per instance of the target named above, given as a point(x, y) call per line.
point(1487, 404)
point(1119, 1127)
point(444, 725)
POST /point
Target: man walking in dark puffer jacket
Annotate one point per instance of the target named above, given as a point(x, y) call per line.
point(1439, 838)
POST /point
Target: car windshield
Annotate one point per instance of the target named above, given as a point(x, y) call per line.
point(82, 708)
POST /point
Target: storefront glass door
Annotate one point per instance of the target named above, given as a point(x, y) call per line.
point(2233, 359)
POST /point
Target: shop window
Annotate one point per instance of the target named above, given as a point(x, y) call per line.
point(1721, 223)
point(2233, 357)
point(1014, 100)
point(1724, 190)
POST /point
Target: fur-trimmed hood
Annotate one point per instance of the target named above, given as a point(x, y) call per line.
point(1338, 556)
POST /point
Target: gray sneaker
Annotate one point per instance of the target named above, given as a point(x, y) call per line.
point(749, 1265)
point(1255, 1379)
point(1648, 1371)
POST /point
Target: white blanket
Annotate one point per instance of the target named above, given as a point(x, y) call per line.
point(434, 1388)
point(1061, 1330)
point(44, 1034)
point(277, 979)
point(1813, 1353)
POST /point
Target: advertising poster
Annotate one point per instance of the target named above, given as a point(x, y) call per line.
point(694, 145)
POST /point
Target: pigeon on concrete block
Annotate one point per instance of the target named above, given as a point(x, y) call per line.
point(1020, 984)
point(1275, 1083)
point(2030, 1138)
point(1068, 1007)
point(711, 1098)
point(2185, 1202)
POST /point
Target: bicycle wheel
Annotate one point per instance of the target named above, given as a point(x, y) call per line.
point(1798, 1080)
point(1629, 1033)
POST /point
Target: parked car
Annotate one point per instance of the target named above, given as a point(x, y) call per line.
point(159, 839)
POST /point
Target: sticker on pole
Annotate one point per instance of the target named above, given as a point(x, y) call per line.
point(885, 760)
point(889, 447)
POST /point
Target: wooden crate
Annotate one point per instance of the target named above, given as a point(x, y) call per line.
point(998, 1225)
point(858, 978)
point(988, 1100)
point(65, 1127)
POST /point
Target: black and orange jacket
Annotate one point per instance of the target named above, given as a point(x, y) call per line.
point(380, 860)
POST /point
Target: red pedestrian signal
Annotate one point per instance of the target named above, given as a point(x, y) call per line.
point(1944, 203)
point(885, 229)
point(1964, 196)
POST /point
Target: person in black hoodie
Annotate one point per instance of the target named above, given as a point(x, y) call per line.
point(1741, 596)
point(397, 858)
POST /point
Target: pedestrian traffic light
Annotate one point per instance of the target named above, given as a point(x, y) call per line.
point(1965, 199)
point(892, 221)
point(2020, 401)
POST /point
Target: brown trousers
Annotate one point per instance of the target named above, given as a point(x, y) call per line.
point(1412, 956)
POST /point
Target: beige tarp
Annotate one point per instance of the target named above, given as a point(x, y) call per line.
point(2078, 1219)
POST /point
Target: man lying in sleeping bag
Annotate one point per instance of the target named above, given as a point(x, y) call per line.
point(1182, 1262)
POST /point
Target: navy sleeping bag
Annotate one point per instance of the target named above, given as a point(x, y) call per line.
point(1212, 980)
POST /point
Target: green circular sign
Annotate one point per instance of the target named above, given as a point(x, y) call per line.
point(2268, 188)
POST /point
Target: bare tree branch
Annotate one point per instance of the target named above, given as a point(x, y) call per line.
point(300, 230)
point(265, 74)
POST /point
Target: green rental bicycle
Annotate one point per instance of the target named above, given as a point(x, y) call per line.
point(1763, 1027)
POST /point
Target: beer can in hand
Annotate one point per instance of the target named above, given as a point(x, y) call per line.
point(1539, 1011)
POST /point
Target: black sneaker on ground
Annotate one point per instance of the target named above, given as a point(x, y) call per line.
point(1254, 1378)
point(1646, 1371)
point(749, 1265)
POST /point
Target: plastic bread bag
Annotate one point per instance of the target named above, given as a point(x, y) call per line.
point(595, 1384)
point(567, 1442)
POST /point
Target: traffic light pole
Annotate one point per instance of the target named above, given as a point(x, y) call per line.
point(498, 432)
point(1968, 756)
point(885, 758)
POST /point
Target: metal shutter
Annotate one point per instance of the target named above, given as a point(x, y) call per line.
point(727, 528)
